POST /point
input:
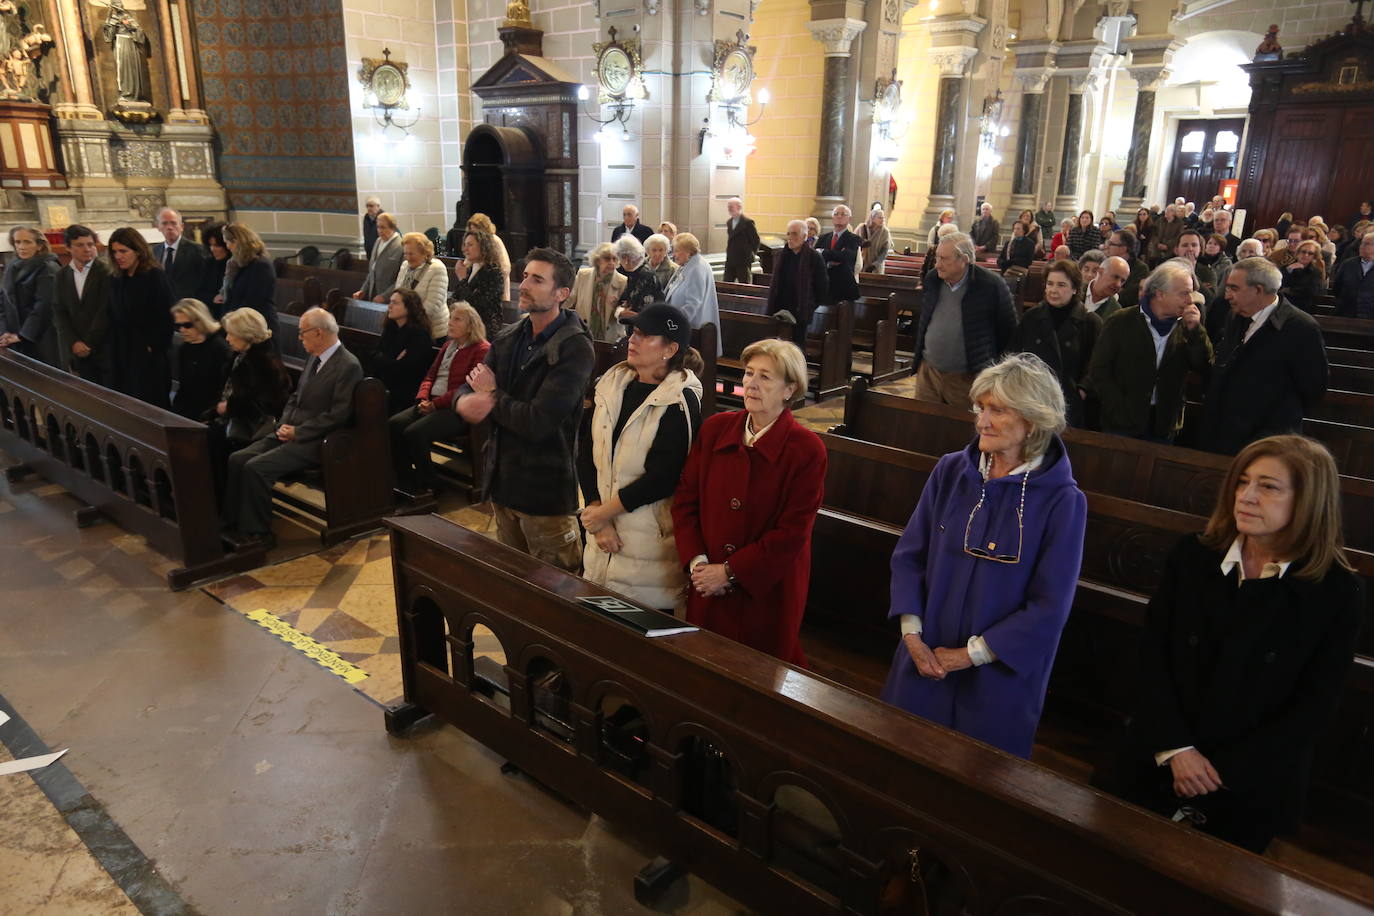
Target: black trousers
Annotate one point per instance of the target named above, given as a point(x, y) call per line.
point(412, 434)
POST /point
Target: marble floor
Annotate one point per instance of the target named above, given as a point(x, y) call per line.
point(246, 777)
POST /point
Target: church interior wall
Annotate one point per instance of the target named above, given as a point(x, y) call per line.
point(780, 185)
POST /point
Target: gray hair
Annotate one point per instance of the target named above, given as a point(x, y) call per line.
point(964, 245)
point(1026, 385)
point(1162, 276)
point(171, 210)
point(657, 238)
point(372, 199)
point(1216, 214)
point(248, 325)
point(322, 319)
point(797, 222)
point(629, 247)
point(1093, 256)
point(945, 230)
point(1255, 248)
point(195, 310)
point(1260, 272)
point(734, 200)
point(844, 208)
point(630, 207)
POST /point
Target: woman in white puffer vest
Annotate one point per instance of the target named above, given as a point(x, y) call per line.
point(647, 411)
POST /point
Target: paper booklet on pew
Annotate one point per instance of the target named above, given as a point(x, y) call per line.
point(646, 623)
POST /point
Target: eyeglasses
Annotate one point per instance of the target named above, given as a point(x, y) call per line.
point(184, 325)
point(987, 554)
point(304, 331)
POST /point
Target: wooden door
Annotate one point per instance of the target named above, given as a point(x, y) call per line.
point(1205, 154)
point(1298, 166)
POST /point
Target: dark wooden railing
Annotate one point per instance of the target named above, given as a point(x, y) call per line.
point(792, 793)
point(146, 468)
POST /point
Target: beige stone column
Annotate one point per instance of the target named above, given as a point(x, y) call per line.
point(77, 73)
point(952, 53)
point(192, 102)
point(837, 110)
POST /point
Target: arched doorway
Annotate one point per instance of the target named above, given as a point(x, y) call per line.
point(503, 177)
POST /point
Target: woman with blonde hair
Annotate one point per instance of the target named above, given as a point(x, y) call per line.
point(745, 507)
point(478, 280)
point(946, 218)
point(254, 395)
point(985, 572)
point(202, 360)
point(432, 418)
point(422, 272)
point(667, 230)
point(596, 293)
point(1247, 644)
point(480, 222)
point(252, 282)
point(1304, 278)
point(28, 291)
point(693, 288)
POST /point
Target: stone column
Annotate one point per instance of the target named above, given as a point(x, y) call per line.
point(837, 111)
point(1029, 141)
point(1148, 79)
point(169, 60)
point(192, 101)
point(950, 111)
point(78, 73)
point(1071, 160)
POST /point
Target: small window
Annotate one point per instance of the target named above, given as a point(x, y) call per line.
point(1192, 141)
point(1228, 141)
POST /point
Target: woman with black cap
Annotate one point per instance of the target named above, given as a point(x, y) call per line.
point(647, 412)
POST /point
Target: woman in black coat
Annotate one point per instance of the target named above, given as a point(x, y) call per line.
point(1019, 251)
point(28, 291)
point(202, 360)
point(1305, 278)
point(252, 400)
point(253, 281)
point(642, 288)
point(1085, 236)
point(405, 350)
point(1247, 644)
point(1063, 334)
point(478, 280)
point(140, 321)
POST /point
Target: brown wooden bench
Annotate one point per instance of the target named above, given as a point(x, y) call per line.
point(145, 468)
point(703, 748)
point(737, 331)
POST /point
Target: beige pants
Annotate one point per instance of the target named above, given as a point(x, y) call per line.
point(555, 539)
point(943, 387)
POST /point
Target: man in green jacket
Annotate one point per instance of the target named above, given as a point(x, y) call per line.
point(1144, 354)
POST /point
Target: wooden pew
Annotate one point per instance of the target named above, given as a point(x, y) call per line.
point(737, 331)
point(1348, 333)
point(871, 491)
point(143, 467)
point(1168, 476)
point(632, 727)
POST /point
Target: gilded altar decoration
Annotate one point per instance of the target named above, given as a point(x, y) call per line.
point(518, 15)
point(130, 45)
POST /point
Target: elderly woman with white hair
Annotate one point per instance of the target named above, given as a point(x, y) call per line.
point(985, 573)
point(642, 288)
point(658, 257)
point(694, 288)
point(596, 293)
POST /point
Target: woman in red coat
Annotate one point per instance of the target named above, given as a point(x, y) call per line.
point(745, 507)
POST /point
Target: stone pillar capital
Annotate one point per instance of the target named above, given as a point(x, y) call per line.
point(1149, 78)
point(1032, 79)
point(836, 34)
point(952, 61)
point(1083, 80)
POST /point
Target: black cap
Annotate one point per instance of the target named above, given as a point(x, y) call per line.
point(660, 320)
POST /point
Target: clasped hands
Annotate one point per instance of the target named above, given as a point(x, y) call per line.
point(475, 406)
point(9, 339)
point(935, 663)
point(710, 580)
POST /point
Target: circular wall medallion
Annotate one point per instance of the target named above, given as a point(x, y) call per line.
point(614, 71)
point(736, 74)
point(388, 84)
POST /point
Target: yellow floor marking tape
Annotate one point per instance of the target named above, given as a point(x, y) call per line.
point(288, 634)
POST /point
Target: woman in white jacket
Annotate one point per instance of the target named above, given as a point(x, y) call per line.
point(648, 410)
point(427, 275)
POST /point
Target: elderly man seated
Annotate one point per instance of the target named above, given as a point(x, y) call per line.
point(321, 403)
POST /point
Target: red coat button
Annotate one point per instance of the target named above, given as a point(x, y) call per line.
point(734, 503)
point(729, 548)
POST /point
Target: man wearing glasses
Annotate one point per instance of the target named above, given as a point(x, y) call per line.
point(1123, 244)
point(321, 403)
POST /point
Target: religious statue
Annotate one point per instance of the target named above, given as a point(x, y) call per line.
point(1269, 49)
point(518, 14)
point(130, 44)
point(9, 28)
point(16, 76)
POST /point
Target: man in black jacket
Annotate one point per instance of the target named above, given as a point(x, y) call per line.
point(1353, 283)
point(186, 263)
point(79, 307)
point(799, 281)
point(630, 223)
point(531, 386)
point(742, 240)
point(965, 325)
point(1270, 366)
point(839, 249)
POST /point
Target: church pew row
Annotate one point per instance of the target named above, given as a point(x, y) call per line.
point(737, 331)
point(701, 747)
point(145, 468)
point(871, 491)
point(1168, 476)
point(873, 336)
point(829, 347)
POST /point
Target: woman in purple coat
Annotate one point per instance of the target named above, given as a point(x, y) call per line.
point(985, 572)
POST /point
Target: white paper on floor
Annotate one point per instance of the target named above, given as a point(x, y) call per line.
point(28, 763)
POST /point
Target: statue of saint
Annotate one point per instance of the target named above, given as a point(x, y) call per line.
point(1269, 49)
point(122, 31)
point(9, 28)
point(518, 13)
point(16, 76)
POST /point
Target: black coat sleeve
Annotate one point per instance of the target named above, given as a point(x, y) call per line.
point(667, 455)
